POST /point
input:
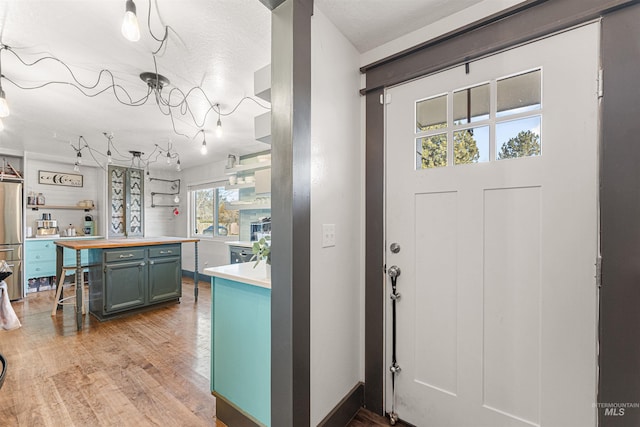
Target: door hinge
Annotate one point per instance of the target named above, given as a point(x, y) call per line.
point(600, 84)
point(599, 272)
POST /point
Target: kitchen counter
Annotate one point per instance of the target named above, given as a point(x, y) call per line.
point(64, 238)
point(126, 275)
point(243, 272)
point(241, 243)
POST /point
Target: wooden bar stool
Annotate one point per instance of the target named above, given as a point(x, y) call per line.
point(65, 301)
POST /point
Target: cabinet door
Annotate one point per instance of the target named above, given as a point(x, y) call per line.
point(126, 197)
point(165, 279)
point(124, 285)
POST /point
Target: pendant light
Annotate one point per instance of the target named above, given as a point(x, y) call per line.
point(178, 168)
point(130, 28)
point(219, 124)
point(4, 107)
point(203, 149)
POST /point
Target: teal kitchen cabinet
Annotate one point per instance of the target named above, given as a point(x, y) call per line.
point(40, 258)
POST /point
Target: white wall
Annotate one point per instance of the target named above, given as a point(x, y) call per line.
point(211, 253)
point(337, 331)
point(160, 220)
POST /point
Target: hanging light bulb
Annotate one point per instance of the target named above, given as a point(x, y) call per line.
point(130, 28)
point(76, 167)
point(178, 166)
point(176, 199)
point(168, 158)
point(79, 158)
point(109, 159)
point(219, 124)
point(4, 107)
point(147, 177)
point(1, 126)
point(203, 149)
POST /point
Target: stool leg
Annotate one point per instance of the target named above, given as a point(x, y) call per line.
point(58, 292)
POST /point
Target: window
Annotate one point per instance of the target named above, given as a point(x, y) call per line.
point(212, 211)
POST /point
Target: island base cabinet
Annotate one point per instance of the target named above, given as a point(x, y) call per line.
point(124, 286)
point(165, 279)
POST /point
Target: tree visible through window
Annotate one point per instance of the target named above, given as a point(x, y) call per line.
point(213, 214)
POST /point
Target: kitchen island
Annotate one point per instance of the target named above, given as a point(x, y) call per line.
point(127, 275)
point(241, 343)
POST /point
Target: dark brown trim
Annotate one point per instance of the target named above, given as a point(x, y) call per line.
point(620, 198)
point(619, 357)
point(231, 415)
point(525, 22)
point(290, 213)
point(374, 254)
point(346, 409)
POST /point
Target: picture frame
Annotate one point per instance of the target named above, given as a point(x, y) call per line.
point(60, 178)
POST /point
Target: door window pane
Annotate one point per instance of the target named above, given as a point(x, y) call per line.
point(471, 145)
point(520, 93)
point(518, 138)
point(431, 114)
point(431, 151)
point(471, 105)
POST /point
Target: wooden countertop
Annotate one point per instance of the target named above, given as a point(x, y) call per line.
point(121, 243)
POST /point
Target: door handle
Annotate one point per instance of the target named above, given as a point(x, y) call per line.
point(126, 256)
point(394, 272)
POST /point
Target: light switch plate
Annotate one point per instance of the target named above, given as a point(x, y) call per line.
point(328, 235)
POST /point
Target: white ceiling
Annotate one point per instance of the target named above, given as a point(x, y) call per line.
point(214, 44)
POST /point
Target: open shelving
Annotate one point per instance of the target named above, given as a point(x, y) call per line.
point(79, 208)
point(248, 168)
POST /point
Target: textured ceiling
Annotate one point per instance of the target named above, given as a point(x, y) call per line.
point(215, 44)
point(371, 23)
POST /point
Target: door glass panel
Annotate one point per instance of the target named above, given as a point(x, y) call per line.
point(135, 189)
point(471, 145)
point(431, 114)
point(117, 225)
point(518, 138)
point(471, 105)
point(431, 151)
point(520, 93)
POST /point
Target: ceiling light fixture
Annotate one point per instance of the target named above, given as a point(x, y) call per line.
point(130, 27)
point(203, 149)
point(4, 106)
point(76, 168)
point(219, 124)
point(178, 168)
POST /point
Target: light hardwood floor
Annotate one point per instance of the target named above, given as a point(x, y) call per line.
point(142, 370)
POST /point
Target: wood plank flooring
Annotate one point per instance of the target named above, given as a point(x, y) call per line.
point(365, 418)
point(142, 370)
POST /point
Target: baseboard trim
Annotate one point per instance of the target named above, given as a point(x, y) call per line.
point(346, 409)
point(201, 276)
point(231, 415)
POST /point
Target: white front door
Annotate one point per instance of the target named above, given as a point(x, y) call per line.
point(491, 194)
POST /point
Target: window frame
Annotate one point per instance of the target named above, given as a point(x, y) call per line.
point(192, 222)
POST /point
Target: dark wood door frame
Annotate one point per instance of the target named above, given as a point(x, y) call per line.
point(619, 185)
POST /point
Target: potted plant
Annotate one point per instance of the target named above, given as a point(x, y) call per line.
point(262, 251)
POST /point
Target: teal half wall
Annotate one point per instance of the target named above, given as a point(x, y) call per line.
point(241, 346)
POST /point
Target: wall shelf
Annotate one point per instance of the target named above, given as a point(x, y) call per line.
point(248, 168)
point(238, 186)
point(77, 208)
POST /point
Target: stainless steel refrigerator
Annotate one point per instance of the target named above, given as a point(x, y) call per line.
point(11, 238)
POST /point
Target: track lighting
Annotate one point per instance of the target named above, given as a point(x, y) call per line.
point(4, 106)
point(219, 124)
point(130, 28)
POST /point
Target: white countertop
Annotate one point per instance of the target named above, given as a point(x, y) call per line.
point(243, 272)
point(243, 243)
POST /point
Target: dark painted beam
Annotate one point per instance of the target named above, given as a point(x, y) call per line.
point(290, 213)
point(522, 23)
point(620, 209)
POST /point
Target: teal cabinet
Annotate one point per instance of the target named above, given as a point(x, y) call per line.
point(126, 279)
point(241, 346)
point(124, 285)
point(40, 258)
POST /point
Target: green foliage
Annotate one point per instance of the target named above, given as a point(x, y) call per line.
point(525, 144)
point(434, 149)
point(261, 251)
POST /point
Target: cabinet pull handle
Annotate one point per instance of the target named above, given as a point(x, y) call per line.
point(126, 256)
point(166, 252)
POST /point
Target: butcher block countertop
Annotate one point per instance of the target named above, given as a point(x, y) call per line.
point(121, 243)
